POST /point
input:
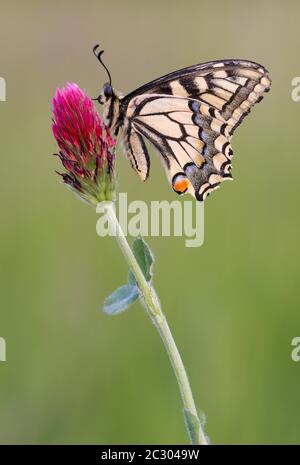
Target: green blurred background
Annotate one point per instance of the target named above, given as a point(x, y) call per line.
point(74, 375)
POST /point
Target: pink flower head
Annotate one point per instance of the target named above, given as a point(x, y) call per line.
point(86, 147)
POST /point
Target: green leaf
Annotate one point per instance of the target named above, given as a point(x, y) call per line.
point(144, 258)
point(193, 426)
point(121, 299)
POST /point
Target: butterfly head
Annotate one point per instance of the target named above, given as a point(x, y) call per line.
point(108, 97)
point(110, 100)
point(107, 91)
point(106, 94)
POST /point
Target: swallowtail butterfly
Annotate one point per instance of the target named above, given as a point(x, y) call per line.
point(189, 116)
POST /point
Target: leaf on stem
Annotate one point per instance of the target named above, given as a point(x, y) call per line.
point(144, 257)
point(121, 299)
point(193, 425)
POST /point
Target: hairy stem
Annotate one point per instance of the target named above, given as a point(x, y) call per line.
point(154, 311)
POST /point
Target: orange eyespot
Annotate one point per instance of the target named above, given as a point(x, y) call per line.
point(181, 184)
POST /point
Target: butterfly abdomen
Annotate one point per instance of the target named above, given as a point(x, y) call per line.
point(112, 114)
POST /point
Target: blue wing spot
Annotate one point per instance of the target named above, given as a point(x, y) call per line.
point(195, 106)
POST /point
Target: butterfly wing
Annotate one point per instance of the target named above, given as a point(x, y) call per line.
point(189, 116)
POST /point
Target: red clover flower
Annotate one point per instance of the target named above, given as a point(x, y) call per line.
point(87, 150)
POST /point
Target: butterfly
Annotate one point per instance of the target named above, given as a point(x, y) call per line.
point(189, 117)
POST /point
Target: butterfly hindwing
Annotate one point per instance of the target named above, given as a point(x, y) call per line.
point(135, 150)
point(189, 116)
point(193, 145)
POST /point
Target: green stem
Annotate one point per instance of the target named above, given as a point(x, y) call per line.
point(154, 311)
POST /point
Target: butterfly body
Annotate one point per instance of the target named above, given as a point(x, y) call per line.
point(189, 116)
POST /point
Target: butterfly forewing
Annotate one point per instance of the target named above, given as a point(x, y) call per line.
point(189, 116)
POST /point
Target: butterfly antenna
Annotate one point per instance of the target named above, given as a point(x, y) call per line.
point(98, 55)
